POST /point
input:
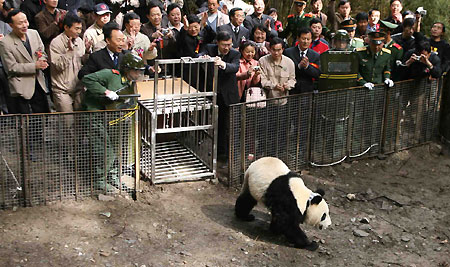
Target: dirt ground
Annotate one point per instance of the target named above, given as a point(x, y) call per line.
point(404, 201)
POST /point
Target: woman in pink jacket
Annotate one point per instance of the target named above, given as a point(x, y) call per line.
point(248, 74)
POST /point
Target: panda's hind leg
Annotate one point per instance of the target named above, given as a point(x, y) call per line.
point(245, 204)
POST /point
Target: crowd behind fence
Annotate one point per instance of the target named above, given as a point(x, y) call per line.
point(58, 156)
point(326, 128)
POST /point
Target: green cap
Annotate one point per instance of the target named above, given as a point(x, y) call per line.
point(131, 62)
point(377, 37)
point(348, 24)
point(387, 24)
point(341, 35)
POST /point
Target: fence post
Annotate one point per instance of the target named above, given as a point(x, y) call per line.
point(242, 136)
point(387, 96)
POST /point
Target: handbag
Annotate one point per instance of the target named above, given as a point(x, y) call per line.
point(256, 94)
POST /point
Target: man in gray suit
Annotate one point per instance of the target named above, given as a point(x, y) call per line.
point(23, 56)
point(234, 28)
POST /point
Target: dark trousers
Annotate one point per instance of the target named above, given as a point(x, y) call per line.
point(223, 127)
point(37, 104)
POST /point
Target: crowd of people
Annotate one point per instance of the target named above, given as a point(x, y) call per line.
point(52, 51)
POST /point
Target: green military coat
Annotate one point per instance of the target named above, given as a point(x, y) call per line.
point(294, 23)
point(372, 69)
point(97, 83)
point(396, 54)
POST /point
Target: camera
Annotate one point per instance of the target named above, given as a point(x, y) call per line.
point(421, 11)
point(255, 68)
point(165, 31)
point(416, 57)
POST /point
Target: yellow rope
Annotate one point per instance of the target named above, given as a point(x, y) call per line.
point(124, 117)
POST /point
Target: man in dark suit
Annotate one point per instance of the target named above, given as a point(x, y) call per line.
point(227, 60)
point(108, 57)
point(307, 62)
point(258, 17)
point(234, 28)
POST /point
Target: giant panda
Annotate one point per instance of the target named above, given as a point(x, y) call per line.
point(290, 202)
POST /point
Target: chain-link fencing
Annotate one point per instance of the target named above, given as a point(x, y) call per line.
point(57, 156)
point(325, 128)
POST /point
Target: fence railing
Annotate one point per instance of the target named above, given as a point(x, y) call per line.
point(56, 156)
point(322, 129)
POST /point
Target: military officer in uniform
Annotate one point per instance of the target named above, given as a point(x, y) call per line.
point(296, 21)
point(102, 92)
point(350, 26)
point(374, 62)
point(396, 49)
point(102, 86)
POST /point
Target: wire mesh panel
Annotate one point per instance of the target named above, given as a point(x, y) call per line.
point(411, 114)
point(11, 162)
point(331, 118)
point(67, 156)
point(366, 115)
point(184, 109)
point(274, 127)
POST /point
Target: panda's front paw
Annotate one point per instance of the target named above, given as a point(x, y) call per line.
point(312, 246)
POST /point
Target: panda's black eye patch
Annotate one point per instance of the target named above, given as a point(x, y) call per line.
point(323, 217)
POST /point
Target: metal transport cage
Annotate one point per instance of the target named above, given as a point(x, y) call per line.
point(178, 116)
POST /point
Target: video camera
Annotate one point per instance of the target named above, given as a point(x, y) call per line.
point(420, 10)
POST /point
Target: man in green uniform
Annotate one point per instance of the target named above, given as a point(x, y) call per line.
point(102, 86)
point(296, 21)
point(350, 26)
point(396, 49)
point(102, 92)
point(374, 62)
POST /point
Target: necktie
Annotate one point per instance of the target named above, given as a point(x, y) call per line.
point(302, 54)
point(116, 60)
point(236, 30)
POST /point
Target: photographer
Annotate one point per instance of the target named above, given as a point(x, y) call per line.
point(163, 37)
point(422, 63)
point(438, 45)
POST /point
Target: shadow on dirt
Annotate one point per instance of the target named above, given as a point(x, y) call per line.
point(256, 230)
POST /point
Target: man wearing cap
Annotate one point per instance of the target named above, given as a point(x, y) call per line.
point(350, 26)
point(374, 62)
point(94, 33)
point(396, 49)
point(296, 21)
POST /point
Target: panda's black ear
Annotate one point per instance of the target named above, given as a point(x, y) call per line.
point(316, 200)
point(320, 192)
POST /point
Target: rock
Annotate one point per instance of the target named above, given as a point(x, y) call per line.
point(365, 227)
point(369, 191)
point(350, 196)
point(322, 241)
point(103, 197)
point(403, 173)
point(385, 206)
point(185, 253)
point(353, 219)
point(405, 239)
point(14, 208)
point(104, 253)
point(233, 259)
point(106, 214)
point(346, 165)
point(364, 220)
point(360, 233)
point(351, 241)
